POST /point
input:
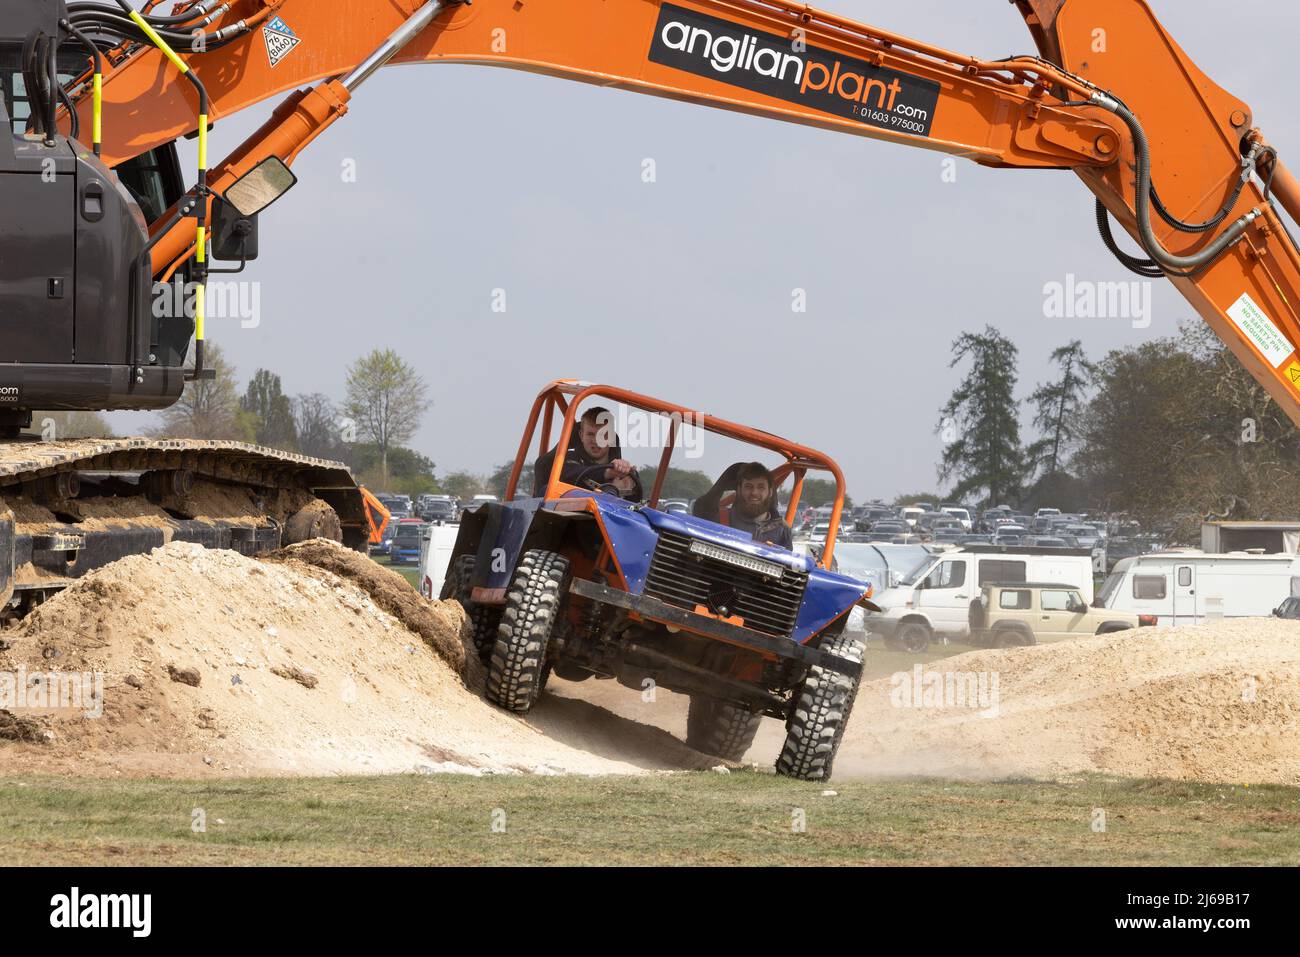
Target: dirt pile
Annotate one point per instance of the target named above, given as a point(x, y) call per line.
point(195, 662)
point(1216, 702)
point(437, 624)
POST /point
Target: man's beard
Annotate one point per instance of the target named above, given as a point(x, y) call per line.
point(752, 509)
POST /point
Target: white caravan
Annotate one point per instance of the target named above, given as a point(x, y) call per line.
point(1183, 588)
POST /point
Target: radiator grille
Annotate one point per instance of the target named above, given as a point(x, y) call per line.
point(681, 578)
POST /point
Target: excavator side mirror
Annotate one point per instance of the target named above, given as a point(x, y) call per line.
point(234, 235)
point(260, 186)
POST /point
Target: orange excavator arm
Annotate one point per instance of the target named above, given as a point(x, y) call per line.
point(1173, 158)
point(377, 515)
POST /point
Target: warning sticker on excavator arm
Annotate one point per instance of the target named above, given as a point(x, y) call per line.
point(280, 40)
point(1256, 326)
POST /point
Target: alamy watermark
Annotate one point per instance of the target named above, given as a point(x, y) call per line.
point(638, 429)
point(1085, 299)
point(222, 299)
point(53, 690)
point(919, 688)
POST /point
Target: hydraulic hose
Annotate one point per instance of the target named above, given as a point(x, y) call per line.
point(200, 186)
point(97, 94)
point(74, 121)
point(1150, 243)
point(1143, 267)
point(32, 81)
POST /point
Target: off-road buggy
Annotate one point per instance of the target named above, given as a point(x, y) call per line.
point(581, 582)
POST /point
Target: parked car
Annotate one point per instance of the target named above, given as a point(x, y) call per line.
point(1028, 613)
point(439, 511)
point(911, 514)
point(1084, 535)
point(886, 531)
point(385, 544)
point(961, 514)
point(870, 515)
point(406, 542)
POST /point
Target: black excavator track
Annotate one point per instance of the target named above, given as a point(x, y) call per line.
point(68, 507)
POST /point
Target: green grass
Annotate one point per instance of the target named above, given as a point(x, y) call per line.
point(695, 818)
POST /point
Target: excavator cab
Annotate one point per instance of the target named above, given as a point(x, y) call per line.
point(81, 330)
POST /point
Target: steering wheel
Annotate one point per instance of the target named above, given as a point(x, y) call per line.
point(608, 488)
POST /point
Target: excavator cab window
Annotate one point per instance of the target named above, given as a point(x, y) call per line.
point(154, 180)
point(17, 104)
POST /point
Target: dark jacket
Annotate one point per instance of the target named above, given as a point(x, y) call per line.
point(771, 530)
point(576, 462)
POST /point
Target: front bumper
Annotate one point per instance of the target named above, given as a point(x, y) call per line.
point(666, 614)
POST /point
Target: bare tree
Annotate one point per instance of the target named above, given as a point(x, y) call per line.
point(387, 399)
point(318, 426)
point(209, 408)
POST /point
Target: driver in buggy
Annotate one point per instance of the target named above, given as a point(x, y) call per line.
point(594, 458)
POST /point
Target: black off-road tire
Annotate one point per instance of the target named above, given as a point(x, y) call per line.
point(483, 619)
point(820, 713)
point(913, 636)
point(1010, 638)
point(517, 667)
point(719, 728)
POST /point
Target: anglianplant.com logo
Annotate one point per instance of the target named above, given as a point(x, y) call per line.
point(779, 67)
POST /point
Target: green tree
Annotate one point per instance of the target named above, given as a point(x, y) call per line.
point(409, 472)
point(980, 424)
point(387, 399)
point(1059, 408)
point(819, 492)
point(1179, 432)
point(678, 483)
point(464, 485)
point(500, 477)
point(209, 408)
point(264, 398)
point(912, 498)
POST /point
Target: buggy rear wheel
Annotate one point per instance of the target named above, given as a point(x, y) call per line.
point(483, 619)
point(720, 728)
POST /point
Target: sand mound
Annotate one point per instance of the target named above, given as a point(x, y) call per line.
point(438, 624)
point(195, 662)
point(1217, 702)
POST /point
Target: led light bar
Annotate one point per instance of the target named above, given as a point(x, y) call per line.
point(739, 559)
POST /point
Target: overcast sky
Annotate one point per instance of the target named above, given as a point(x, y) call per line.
point(471, 179)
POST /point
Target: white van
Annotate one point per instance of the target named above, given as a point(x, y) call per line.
point(1183, 588)
point(934, 599)
point(911, 514)
point(961, 514)
point(436, 544)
